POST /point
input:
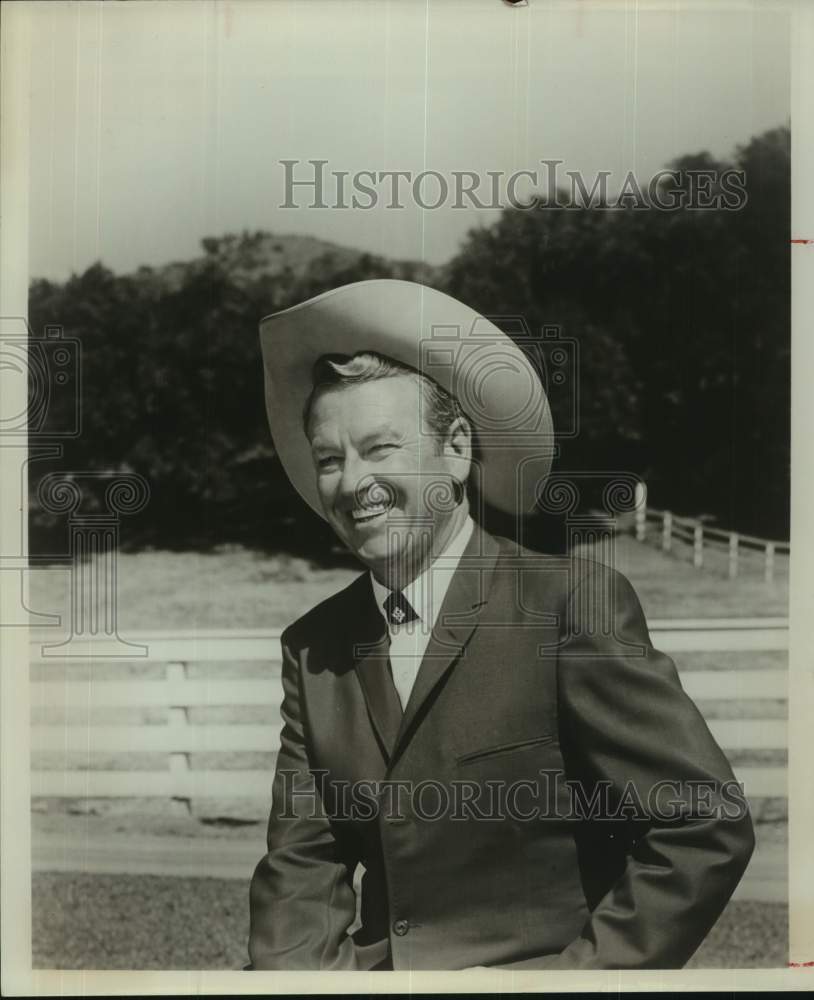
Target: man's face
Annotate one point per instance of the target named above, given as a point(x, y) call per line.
point(375, 465)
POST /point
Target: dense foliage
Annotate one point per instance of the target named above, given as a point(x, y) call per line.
point(682, 321)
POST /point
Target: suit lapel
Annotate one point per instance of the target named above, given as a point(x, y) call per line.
point(370, 650)
point(457, 619)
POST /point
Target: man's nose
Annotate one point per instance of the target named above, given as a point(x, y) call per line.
point(359, 486)
point(355, 481)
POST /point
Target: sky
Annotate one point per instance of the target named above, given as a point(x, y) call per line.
point(156, 124)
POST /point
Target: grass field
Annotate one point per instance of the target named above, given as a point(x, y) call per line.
point(149, 922)
point(140, 921)
point(239, 588)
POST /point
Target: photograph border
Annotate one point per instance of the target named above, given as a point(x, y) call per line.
point(15, 829)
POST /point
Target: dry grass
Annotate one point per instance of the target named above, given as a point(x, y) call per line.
point(129, 921)
point(239, 588)
point(670, 587)
point(150, 922)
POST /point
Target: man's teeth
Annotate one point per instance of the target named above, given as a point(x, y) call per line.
point(367, 512)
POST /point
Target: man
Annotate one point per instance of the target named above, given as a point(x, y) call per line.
point(488, 732)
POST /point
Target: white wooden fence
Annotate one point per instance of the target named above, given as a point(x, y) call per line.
point(700, 537)
point(179, 737)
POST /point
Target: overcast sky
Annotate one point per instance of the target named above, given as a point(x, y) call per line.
point(156, 124)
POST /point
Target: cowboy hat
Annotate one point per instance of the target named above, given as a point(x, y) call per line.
point(433, 333)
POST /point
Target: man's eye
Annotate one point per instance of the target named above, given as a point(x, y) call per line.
point(327, 461)
point(389, 445)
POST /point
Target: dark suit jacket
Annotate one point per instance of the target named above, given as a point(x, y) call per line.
point(539, 667)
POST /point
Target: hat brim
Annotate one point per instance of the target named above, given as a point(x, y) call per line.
point(433, 333)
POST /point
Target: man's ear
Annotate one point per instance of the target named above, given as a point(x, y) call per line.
point(459, 439)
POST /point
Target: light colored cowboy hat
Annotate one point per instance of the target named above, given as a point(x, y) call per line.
point(496, 386)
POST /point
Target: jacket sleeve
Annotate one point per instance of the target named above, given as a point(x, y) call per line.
point(627, 722)
point(302, 901)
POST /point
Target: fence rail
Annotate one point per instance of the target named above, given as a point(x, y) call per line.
point(179, 737)
point(699, 535)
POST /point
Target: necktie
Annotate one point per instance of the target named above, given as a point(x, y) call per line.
point(373, 663)
point(398, 609)
point(403, 667)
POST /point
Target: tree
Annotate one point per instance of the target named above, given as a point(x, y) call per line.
point(681, 321)
point(682, 318)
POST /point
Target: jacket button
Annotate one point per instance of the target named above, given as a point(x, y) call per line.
point(401, 927)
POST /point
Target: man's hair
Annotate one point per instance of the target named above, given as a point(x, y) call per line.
point(440, 408)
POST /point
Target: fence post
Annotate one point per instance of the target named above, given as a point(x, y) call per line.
point(698, 546)
point(733, 555)
point(768, 568)
point(641, 511)
point(178, 719)
point(667, 531)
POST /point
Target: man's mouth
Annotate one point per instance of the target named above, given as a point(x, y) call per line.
point(361, 515)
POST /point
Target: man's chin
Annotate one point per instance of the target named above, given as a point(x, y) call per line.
point(378, 554)
point(376, 546)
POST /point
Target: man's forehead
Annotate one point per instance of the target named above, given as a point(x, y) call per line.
point(359, 430)
point(362, 410)
point(364, 414)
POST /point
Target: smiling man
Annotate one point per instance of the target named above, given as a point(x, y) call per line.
point(485, 732)
point(375, 452)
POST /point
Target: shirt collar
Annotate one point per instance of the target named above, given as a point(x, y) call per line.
point(426, 593)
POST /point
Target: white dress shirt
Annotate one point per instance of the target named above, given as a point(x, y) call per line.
point(408, 642)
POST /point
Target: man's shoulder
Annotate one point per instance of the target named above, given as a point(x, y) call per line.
point(328, 614)
point(565, 572)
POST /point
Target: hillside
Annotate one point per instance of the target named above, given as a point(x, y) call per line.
point(251, 257)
